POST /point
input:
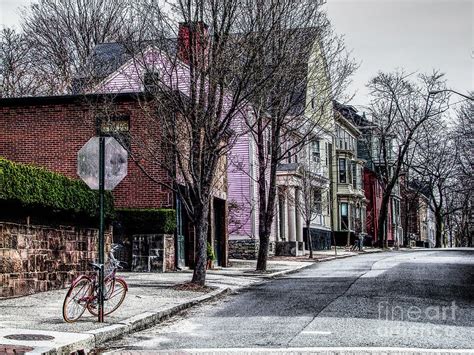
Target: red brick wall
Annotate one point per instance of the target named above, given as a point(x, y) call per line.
point(373, 193)
point(50, 132)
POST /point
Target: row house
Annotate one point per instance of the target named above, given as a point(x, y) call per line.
point(288, 233)
point(349, 201)
point(368, 150)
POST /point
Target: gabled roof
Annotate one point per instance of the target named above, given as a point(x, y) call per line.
point(109, 57)
point(106, 58)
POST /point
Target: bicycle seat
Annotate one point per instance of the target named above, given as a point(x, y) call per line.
point(95, 266)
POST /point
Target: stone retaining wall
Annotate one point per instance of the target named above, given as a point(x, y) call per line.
point(243, 249)
point(153, 253)
point(41, 258)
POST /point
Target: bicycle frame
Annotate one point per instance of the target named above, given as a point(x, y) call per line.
point(87, 290)
point(95, 285)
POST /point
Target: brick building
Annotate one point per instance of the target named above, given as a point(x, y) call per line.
point(49, 131)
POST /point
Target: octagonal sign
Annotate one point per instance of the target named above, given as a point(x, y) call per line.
point(116, 158)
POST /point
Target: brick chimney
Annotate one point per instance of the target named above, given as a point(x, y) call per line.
point(197, 35)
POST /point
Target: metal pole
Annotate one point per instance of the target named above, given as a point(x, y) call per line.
point(101, 226)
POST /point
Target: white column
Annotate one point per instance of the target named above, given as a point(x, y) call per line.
point(276, 221)
point(291, 214)
point(299, 219)
point(283, 218)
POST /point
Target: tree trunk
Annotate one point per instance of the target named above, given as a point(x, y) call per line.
point(309, 239)
point(263, 251)
point(382, 221)
point(201, 225)
point(266, 203)
point(439, 226)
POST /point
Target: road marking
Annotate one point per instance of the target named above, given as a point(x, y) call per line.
point(315, 332)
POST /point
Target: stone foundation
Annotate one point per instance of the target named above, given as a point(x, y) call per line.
point(41, 258)
point(292, 248)
point(243, 249)
point(153, 253)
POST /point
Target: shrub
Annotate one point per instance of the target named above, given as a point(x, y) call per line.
point(150, 220)
point(210, 252)
point(36, 188)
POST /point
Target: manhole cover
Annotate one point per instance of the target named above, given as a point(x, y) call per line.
point(29, 337)
point(14, 349)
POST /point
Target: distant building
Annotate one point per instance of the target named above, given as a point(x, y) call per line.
point(417, 214)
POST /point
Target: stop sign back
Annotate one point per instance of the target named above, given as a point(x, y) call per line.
point(116, 159)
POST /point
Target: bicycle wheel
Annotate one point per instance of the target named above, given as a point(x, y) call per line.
point(115, 291)
point(76, 300)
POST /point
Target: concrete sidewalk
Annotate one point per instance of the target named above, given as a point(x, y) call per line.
point(150, 299)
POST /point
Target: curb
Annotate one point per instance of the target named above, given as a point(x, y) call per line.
point(130, 325)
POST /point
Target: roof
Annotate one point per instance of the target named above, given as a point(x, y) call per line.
point(109, 57)
point(63, 99)
point(288, 167)
point(349, 112)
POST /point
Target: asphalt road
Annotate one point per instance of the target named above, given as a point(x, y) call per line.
point(415, 299)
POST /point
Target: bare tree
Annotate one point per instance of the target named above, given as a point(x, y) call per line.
point(435, 165)
point(304, 68)
point(17, 70)
point(461, 198)
point(399, 107)
point(206, 90)
point(61, 36)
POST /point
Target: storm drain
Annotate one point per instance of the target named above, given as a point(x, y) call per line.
point(14, 349)
point(29, 337)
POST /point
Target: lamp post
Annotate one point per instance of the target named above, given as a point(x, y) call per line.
point(435, 92)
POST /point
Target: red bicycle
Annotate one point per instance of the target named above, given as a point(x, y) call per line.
point(84, 291)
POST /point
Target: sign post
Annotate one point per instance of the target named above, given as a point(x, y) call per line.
point(101, 226)
point(102, 164)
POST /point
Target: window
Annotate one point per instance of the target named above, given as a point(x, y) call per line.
point(342, 171)
point(315, 151)
point(354, 174)
point(318, 200)
point(327, 153)
point(328, 203)
point(117, 127)
point(344, 216)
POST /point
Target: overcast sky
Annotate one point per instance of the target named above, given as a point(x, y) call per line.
point(417, 35)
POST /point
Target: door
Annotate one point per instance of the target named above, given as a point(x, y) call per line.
point(219, 228)
point(180, 244)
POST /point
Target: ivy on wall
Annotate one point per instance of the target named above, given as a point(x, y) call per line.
point(36, 188)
